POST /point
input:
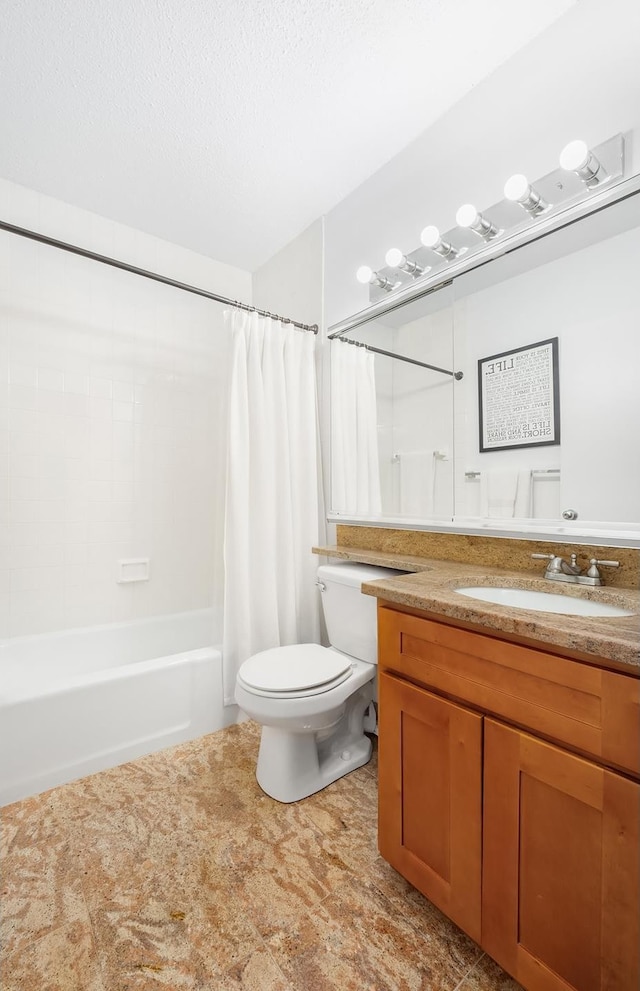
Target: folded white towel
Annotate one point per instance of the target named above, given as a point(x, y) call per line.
point(416, 483)
point(523, 507)
point(505, 494)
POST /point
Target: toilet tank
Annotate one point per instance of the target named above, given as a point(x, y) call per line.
point(350, 616)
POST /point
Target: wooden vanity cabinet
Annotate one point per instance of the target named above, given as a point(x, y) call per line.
point(509, 795)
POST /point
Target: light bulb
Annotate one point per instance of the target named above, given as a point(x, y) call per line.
point(517, 188)
point(467, 215)
point(430, 236)
point(366, 275)
point(577, 157)
point(574, 156)
point(394, 257)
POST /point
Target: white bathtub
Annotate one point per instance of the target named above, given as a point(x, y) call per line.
point(79, 701)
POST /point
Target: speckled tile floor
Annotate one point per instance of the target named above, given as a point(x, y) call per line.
point(176, 871)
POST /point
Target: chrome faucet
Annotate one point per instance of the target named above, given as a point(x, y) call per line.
point(559, 570)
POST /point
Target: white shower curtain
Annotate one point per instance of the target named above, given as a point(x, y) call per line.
point(271, 514)
point(355, 469)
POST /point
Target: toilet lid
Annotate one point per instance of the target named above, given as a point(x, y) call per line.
point(300, 667)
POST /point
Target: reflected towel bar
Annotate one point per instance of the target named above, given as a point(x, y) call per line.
point(534, 471)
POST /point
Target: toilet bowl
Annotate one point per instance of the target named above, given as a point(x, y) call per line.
point(311, 700)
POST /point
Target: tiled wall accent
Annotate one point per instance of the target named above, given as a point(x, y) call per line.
point(112, 394)
point(495, 552)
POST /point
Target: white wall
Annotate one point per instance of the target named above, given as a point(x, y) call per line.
point(111, 422)
point(579, 78)
point(291, 282)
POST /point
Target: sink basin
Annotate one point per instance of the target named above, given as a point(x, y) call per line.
point(524, 598)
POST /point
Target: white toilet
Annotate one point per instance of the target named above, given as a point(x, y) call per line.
point(311, 700)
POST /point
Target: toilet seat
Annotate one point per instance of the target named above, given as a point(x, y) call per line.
point(295, 671)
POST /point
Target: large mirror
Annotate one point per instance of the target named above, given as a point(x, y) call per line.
point(520, 398)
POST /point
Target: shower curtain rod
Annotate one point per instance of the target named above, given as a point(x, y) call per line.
point(402, 357)
point(123, 266)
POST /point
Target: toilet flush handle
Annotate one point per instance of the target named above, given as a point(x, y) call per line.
point(321, 585)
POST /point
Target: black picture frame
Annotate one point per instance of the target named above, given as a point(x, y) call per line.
point(519, 397)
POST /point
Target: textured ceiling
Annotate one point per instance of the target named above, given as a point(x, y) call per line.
point(228, 127)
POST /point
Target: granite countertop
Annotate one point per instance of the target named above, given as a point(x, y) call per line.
point(430, 585)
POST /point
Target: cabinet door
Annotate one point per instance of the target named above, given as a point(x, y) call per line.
point(561, 867)
point(430, 797)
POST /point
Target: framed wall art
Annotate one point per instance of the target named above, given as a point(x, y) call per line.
point(518, 395)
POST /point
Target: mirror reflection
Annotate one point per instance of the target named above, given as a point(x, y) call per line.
point(414, 411)
point(539, 426)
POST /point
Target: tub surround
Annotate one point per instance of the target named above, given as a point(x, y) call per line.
point(430, 587)
point(496, 552)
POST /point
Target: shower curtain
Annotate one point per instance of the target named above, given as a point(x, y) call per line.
point(355, 470)
point(271, 509)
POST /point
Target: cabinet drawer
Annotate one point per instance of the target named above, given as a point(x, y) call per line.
point(583, 706)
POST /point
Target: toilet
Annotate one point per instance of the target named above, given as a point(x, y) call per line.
point(311, 700)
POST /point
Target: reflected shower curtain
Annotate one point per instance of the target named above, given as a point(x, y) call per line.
point(271, 514)
point(355, 470)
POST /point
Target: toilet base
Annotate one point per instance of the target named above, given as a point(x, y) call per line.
point(291, 766)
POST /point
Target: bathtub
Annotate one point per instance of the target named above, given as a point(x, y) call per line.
point(79, 701)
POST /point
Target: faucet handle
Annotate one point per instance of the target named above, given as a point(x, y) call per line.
point(594, 563)
point(556, 563)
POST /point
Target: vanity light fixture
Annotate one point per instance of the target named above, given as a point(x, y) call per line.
point(366, 275)
point(518, 190)
point(430, 237)
point(396, 259)
point(577, 157)
point(468, 216)
point(543, 200)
